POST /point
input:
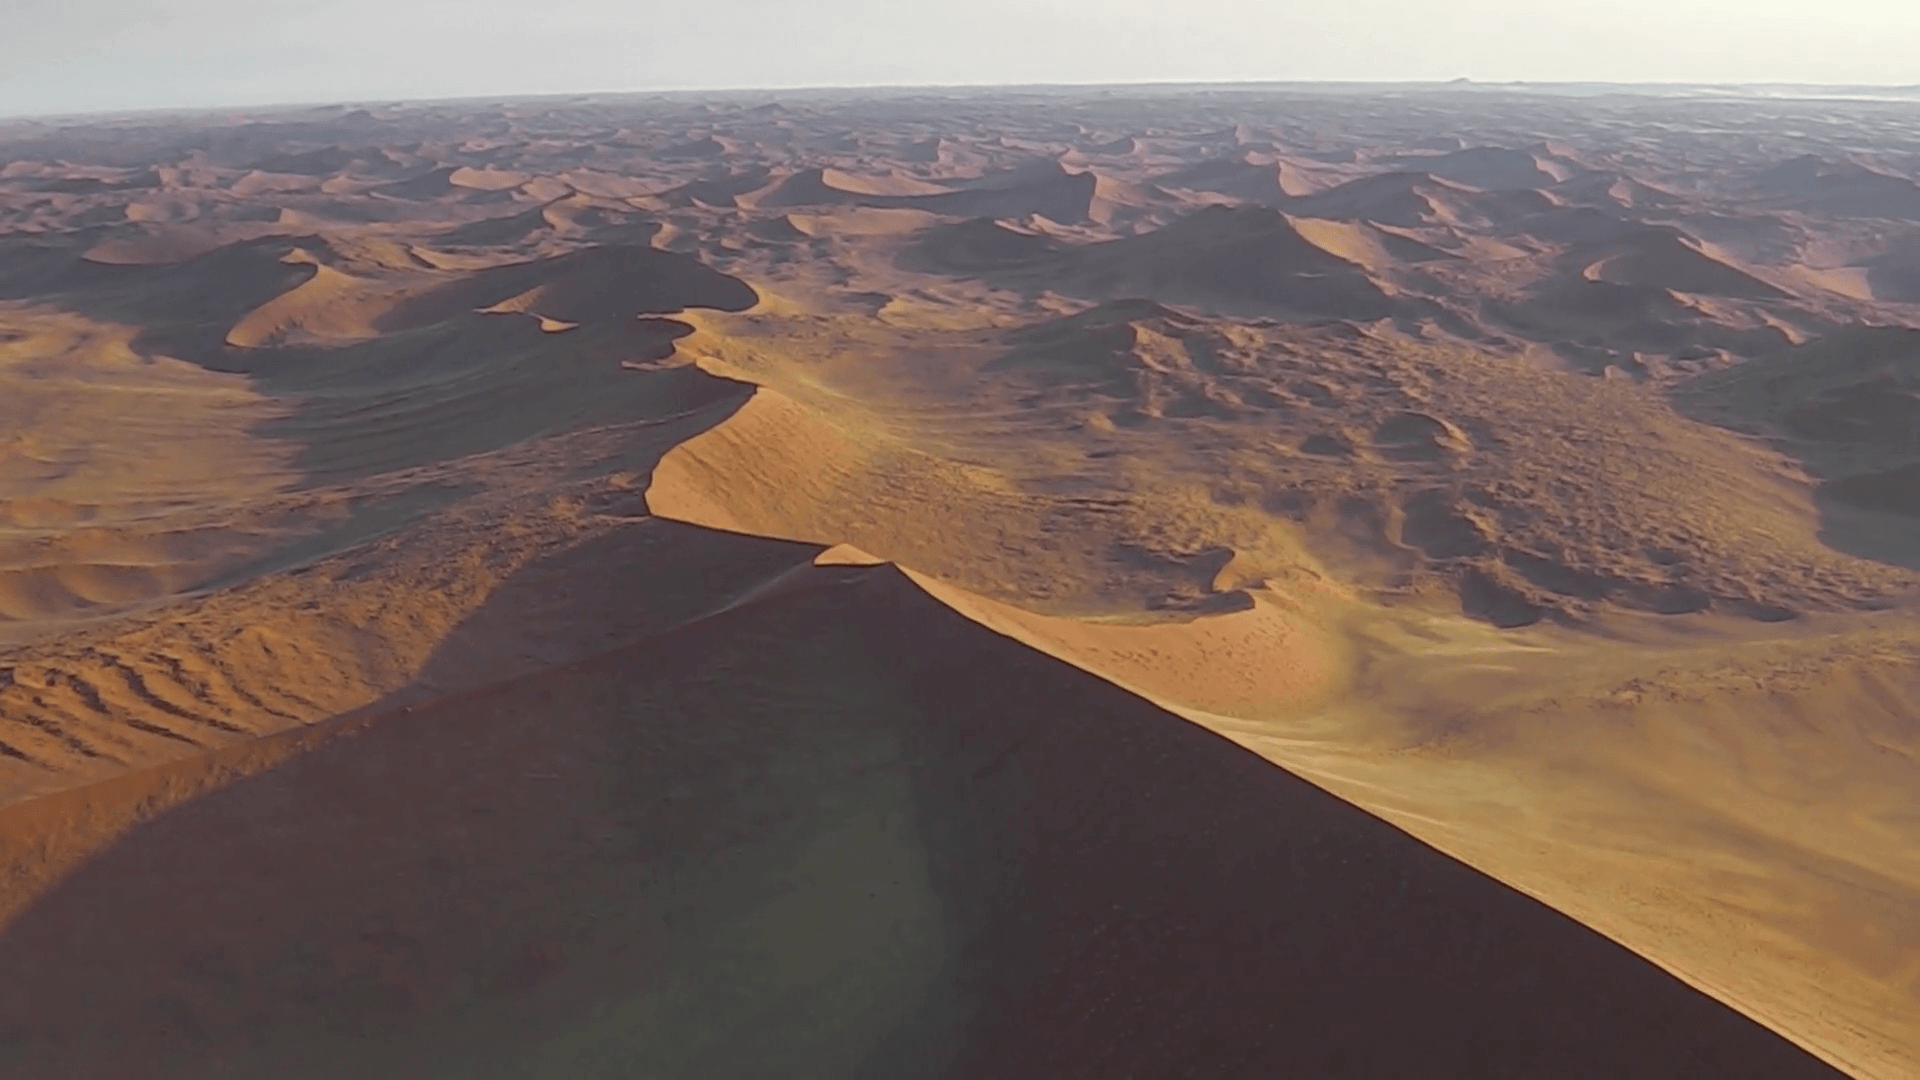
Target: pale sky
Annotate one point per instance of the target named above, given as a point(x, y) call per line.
point(61, 56)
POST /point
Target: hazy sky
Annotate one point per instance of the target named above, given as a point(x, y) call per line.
point(82, 55)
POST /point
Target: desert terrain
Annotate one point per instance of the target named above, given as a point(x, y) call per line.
point(1112, 582)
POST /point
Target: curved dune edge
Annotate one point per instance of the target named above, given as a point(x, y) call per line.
point(1267, 659)
point(1279, 678)
point(1236, 674)
point(330, 305)
point(1507, 816)
point(774, 498)
point(1221, 673)
point(1264, 661)
point(1674, 857)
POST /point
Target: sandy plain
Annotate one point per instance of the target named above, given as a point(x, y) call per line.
point(1122, 582)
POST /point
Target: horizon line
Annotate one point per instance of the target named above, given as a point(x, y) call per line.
point(582, 96)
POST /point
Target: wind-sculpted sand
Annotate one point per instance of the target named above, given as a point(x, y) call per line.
point(1197, 583)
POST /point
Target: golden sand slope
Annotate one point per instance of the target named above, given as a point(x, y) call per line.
point(127, 476)
point(1628, 794)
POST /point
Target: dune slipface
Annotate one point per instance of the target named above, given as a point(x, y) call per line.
point(939, 875)
point(1021, 584)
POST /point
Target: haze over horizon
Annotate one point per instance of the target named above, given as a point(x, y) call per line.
point(122, 55)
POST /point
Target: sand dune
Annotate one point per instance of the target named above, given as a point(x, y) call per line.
point(258, 182)
point(1239, 258)
point(1494, 168)
point(1266, 183)
point(1846, 404)
point(1843, 188)
point(1894, 275)
point(861, 221)
point(982, 244)
point(429, 185)
point(720, 191)
point(808, 187)
point(329, 306)
point(602, 283)
point(1265, 662)
point(1378, 250)
point(893, 184)
point(1389, 198)
point(100, 520)
point(504, 231)
point(324, 161)
point(154, 246)
point(911, 802)
point(1673, 261)
point(1052, 192)
point(254, 659)
point(1041, 583)
point(486, 179)
point(704, 146)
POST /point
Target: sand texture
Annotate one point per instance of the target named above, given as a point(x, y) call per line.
point(1038, 584)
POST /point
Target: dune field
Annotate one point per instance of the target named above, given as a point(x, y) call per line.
point(1117, 582)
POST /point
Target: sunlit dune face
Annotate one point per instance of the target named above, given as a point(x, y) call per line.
point(126, 478)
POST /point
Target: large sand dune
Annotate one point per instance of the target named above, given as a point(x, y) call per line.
point(986, 583)
point(1031, 874)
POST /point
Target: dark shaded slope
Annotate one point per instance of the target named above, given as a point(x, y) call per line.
point(593, 284)
point(1848, 407)
point(476, 384)
point(1840, 188)
point(1051, 192)
point(979, 244)
point(1247, 259)
point(1492, 168)
point(1253, 181)
point(1400, 198)
point(839, 833)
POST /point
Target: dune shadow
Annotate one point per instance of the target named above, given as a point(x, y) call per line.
point(1880, 533)
point(837, 832)
point(1845, 407)
point(472, 384)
